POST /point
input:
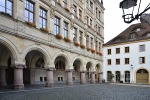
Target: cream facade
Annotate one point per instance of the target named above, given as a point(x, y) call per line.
point(128, 60)
point(51, 41)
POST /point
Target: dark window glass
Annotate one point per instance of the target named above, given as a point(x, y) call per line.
point(29, 11)
point(65, 29)
point(43, 18)
point(56, 25)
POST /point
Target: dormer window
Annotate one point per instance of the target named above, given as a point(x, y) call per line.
point(133, 35)
point(138, 29)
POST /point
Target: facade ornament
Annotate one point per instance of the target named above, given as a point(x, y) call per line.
point(52, 12)
point(20, 66)
point(71, 24)
point(50, 68)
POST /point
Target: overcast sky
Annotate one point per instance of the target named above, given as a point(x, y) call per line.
point(113, 22)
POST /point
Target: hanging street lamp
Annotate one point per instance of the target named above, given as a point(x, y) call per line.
point(129, 8)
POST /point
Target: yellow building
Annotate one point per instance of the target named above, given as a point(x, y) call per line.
point(50, 41)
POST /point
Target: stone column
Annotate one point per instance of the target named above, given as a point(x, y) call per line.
point(92, 77)
point(82, 77)
point(49, 77)
point(69, 77)
point(18, 76)
point(32, 76)
point(100, 77)
point(3, 76)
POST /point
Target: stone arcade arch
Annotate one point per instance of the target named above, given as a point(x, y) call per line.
point(8, 54)
point(77, 66)
point(63, 70)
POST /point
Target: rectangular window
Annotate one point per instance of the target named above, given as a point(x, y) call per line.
point(41, 79)
point(117, 61)
point(91, 42)
point(91, 5)
point(87, 41)
point(43, 18)
point(65, 29)
point(58, 78)
point(80, 14)
point(96, 47)
point(126, 49)
point(74, 10)
point(109, 61)
point(96, 12)
point(109, 51)
point(117, 50)
point(6, 6)
point(99, 15)
point(80, 37)
point(127, 61)
point(44, 78)
point(99, 47)
point(87, 3)
point(61, 78)
point(64, 4)
point(74, 34)
point(142, 48)
point(87, 20)
point(73, 78)
point(56, 25)
point(142, 60)
point(29, 11)
point(91, 22)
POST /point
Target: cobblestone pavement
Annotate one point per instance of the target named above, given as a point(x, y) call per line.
point(81, 92)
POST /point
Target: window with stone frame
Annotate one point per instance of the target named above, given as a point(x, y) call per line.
point(127, 50)
point(65, 29)
point(64, 4)
point(99, 47)
point(6, 6)
point(74, 34)
point(87, 40)
point(80, 36)
point(96, 12)
point(108, 61)
point(87, 3)
point(109, 51)
point(91, 42)
point(43, 18)
point(142, 48)
point(80, 14)
point(91, 6)
point(75, 10)
point(29, 11)
point(91, 22)
point(40, 63)
point(117, 61)
point(96, 46)
point(142, 60)
point(87, 20)
point(127, 60)
point(117, 50)
point(56, 25)
point(99, 15)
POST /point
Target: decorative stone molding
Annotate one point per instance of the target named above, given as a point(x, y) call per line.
point(52, 12)
point(20, 66)
point(100, 73)
point(71, 24)
point(19, 26)
point(69, 70)
point(93, 72)
point(50, 68)
point(83, 71)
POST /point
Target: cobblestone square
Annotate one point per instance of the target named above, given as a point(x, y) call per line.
point(81, 92)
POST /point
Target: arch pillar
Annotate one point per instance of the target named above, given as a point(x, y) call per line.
point(3, 76)
point(18, 76)
point(92, 77)
point(100, 77)
point(82, 77)
point(49, 77)
point(69, 77)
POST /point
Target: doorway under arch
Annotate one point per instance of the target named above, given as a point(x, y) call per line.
point(142, 76)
